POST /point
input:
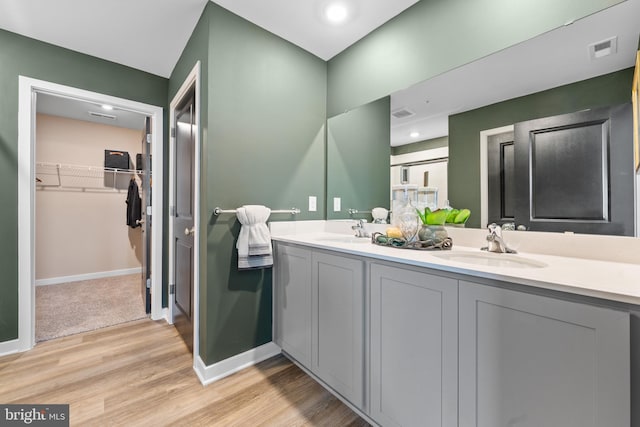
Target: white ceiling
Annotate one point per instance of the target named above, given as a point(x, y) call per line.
point(302, 22)
point(79, 110)
point(145, 34)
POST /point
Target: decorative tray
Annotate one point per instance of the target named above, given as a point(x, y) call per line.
point(381, 239)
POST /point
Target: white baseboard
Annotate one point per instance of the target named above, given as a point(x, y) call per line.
point(88, 276)
point(224, 368)
point(10, 347)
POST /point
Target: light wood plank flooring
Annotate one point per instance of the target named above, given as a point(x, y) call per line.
point(140, 374)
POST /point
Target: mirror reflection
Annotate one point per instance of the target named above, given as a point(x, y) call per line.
point(439, 127)
point(358, 161)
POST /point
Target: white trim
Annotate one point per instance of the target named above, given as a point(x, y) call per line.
point(193, 79)
point(637, 204)
point(88, 276)
point(224, 368)
point(420, 156)
point(26, 234)
point(637, 196)
point(484, 171)
point(28, 89)
point(9, 347)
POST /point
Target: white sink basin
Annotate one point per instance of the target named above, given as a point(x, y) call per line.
point(490, 259)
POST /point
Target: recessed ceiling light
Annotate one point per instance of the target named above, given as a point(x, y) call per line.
point(414, 134)
point(107, 107)
point(336, 13)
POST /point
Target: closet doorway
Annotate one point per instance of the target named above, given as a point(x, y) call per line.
point(74, 176)
point(90, 240)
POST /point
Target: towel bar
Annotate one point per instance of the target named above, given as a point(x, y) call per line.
point(356, 211)
point(293, 211)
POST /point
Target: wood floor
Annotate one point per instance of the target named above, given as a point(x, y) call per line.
point(140, 374)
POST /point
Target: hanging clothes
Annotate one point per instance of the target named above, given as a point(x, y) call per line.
point(134, 205)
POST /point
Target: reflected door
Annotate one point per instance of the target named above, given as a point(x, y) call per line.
point(182, 290)
point(574, 172)
point(501, 179)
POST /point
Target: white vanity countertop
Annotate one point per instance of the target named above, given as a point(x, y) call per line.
point(609, 280)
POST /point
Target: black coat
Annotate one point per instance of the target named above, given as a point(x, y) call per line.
point(134, 205)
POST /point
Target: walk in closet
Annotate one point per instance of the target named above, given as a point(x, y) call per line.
point(88, 247)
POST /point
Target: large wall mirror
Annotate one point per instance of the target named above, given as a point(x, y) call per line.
point(585, 65)
point(358, 161)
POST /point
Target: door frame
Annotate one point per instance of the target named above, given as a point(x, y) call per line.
point(28, 90)
point(484, 170)
point(191, 81)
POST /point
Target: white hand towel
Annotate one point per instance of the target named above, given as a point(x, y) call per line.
point(254, 240)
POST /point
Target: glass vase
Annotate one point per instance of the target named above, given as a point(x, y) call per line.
point(408, 222)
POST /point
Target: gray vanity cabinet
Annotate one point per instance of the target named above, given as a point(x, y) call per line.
point(414, 348)
point(337, 284)
point(528, 360)
point(447, 352)
point(292, 302)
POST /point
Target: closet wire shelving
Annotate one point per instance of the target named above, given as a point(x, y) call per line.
point(84, 177)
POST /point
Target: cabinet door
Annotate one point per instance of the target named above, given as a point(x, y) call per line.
point(414, 348)
point(338, 324)
point(292, 314)
point(527, 360)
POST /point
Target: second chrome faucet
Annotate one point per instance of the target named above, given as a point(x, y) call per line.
point(495, 242)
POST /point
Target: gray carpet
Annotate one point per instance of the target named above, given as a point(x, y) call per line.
point(71, 308)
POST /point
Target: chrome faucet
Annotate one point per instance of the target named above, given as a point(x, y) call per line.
point(359, 228)
point(496, 242)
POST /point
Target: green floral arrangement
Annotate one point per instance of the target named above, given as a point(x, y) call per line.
point(443, 216)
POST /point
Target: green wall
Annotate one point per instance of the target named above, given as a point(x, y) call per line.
point(358, 159)
point(263, 116)
point(23, 56)
point(464, 128)
point(434, 36)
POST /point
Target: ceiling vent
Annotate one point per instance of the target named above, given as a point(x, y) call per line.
point(603, 48)
point(102, 115)
point(402, 113)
